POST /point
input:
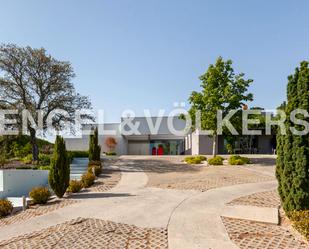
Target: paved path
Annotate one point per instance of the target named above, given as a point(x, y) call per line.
point(192, 218)
point(129, 202)
point(197, 222)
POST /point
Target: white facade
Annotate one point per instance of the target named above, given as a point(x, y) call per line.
point(139, 142)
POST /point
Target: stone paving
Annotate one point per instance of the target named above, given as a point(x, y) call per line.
point(92, 233)
point(106, 181)
point(110, 228)
point(256, 235)
point(36, 210)
point(206, 178)
point(262, 199)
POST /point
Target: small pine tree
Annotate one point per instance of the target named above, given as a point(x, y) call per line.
point(59, 174)
point(293, 150)
point(94, 147)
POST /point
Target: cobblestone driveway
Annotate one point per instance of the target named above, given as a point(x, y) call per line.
point(92, 233)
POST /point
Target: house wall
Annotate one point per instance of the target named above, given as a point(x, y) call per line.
point(197, 144)
point(265, 144)
point(16, 183)
point(188, 144)
point(205, 145)
point(194, 143)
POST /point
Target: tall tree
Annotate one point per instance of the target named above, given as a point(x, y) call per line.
point(34, 80)
point(94, 147)
point(59, 174)
point(222, 89)
point(293, 150)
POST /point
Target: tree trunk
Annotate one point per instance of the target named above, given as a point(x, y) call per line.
point(35, 148)
point(214, 145)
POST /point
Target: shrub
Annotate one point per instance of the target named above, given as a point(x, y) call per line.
point(110, 153)
point(87, 179)
point(229, 148)
point(217, 160)
point(298, 215)
point(3, 160)
point(44, 159)
point(27, 159)
point(192, 160)
point(59, 174)
point(238, 160)
point(202, 158)
point(6, 207)
point(25, 167)
point(39, 195)
point(300, 221)
point(18, 150)
point(75, 186)
point(94, 163)
point(44, 167)
point(97, 170)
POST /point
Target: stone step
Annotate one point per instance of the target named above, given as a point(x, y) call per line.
point(259, 214)
point(18, 202)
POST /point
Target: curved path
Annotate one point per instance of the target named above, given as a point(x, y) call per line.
point(193, 218)
point(197, 223)
point(129, 202)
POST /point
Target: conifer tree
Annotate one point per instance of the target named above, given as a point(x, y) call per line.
point(293, 150)
point(59, 174)
point(94, 147)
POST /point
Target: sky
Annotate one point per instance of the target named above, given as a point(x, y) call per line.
point(149, 54)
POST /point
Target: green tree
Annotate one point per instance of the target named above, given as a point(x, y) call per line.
point(293, 150)
point(222, 89)
point(59, 174)
point(94, 147)
point(33, 80)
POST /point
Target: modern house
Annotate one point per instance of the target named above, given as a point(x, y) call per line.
point(165, 136)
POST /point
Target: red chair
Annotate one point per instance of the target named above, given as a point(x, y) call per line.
point(154, 151)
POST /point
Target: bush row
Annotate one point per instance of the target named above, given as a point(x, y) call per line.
point(217, 160)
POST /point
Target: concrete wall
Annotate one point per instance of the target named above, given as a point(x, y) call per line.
point(146, 123)
point(83, 142)
point(205, 145)
point(197, 144)
point(16, 183)
point(1, 181)
point(265, 144)
point(194, 143)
